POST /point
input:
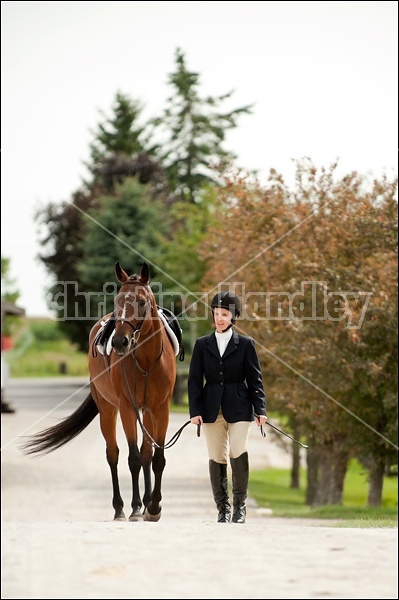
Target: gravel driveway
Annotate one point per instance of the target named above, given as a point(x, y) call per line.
point(59, 539)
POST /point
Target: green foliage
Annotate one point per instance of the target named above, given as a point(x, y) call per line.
point(63, 227)
point(182, 262)
point(8, 291)
point(42, 351)
point(119, 133)
point(128, 228)
point(45, 331)
point(120, 148)
point(194, 133)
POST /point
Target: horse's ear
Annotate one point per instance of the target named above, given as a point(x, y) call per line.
point(145, 273)
point(121, 275)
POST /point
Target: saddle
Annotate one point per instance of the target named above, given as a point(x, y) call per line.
point(172, 327)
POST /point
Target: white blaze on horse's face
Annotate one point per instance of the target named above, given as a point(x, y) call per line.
point(123, 315)
point(130, 307)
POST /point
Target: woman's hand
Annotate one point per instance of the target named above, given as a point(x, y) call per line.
point(196, 420)
point(260, 420)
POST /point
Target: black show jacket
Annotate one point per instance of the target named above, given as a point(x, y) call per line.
point(232, 381)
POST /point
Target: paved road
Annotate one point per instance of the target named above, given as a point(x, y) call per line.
point(59, 540)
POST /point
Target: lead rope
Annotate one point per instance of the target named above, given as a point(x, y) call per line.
point(263, 434)
point(145, 433)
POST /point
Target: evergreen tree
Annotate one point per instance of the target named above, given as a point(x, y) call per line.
point(128, 228)
point(63, 226)
point(121, 148)
point(194, 133)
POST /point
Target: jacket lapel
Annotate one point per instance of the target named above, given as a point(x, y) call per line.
point(232, 345)
point(213, 345)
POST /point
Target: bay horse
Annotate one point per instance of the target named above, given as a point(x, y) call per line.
point(139, 373)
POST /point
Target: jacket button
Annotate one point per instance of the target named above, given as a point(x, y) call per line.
point(220, 372)
point(221, 383)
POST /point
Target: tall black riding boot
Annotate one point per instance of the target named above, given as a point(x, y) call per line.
point(240, 472)
point(218, 475)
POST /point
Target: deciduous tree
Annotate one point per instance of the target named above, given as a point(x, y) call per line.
point(311, 259)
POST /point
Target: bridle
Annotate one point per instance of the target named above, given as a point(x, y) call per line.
point(148, 307)
point(132, 351)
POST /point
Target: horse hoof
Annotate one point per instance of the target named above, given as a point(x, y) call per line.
point(153, 518)
point(120, 518)
point(134, 517)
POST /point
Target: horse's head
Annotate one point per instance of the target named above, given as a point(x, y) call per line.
point(133, 309)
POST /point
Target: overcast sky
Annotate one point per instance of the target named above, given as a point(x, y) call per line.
point(322, 77)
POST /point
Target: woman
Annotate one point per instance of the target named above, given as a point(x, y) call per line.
point(225, 394)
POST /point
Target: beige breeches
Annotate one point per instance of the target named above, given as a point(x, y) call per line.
point(226, 439)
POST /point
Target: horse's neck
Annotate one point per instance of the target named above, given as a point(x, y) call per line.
point(151, 344)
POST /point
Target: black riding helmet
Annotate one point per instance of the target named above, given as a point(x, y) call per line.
point(229, 301)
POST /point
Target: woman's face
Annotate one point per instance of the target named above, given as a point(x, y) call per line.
point(222, 318)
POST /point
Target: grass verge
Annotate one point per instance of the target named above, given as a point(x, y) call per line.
point(271, 489)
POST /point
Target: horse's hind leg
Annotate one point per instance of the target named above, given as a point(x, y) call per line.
point(108, 418)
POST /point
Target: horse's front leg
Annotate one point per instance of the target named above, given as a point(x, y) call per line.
point(134, 462)
point(129, 423)
point(153, 508)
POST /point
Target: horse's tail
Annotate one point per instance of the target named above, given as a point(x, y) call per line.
point(56, 436)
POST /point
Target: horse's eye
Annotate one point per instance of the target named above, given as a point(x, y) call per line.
point(142, 303)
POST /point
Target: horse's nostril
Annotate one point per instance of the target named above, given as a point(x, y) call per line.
point(120, 343)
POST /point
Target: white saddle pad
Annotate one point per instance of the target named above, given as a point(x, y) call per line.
point(169, 330)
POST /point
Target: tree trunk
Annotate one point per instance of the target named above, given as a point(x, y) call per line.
point(340, 466)
point(325, 475)
point(376, 482)
point(296, 462)
point(296, 459)
point(333, 464)
point(312, 474)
